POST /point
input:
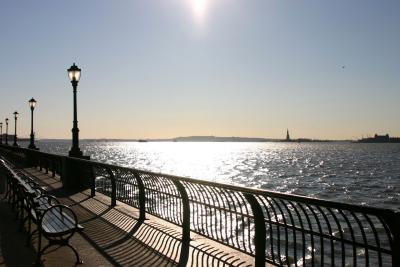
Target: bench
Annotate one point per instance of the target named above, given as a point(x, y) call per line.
point(56, 222)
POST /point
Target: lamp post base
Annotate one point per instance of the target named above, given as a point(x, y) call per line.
point(77, 153)
point(32, 139)
point(32, 146)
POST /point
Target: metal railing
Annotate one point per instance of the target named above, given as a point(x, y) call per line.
point(275, 228)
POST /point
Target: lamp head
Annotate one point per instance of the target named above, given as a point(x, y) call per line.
point(32, 103)
point(16, 114)
point(74, 73)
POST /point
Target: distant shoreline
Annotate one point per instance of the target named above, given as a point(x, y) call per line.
point(206, 139)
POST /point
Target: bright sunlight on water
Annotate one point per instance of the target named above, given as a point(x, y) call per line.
point(349, 172)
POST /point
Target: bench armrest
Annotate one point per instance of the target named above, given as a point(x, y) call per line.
point(49, 199)
point(59, 221)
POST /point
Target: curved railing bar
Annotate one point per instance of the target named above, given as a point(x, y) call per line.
point(260, 231)
point(142, 196)
point(331, 235)
point(302, 233)
point(364, 237)
point(278, 232)
point(377, 241)
point(352, 237)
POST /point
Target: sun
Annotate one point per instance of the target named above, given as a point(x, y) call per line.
point(199, 8)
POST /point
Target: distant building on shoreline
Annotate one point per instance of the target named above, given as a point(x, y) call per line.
point(380, 139)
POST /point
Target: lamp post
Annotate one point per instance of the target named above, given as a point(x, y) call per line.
point(32, 104)
point(74, 74)
point(6, 131)
point(15, 128)
point(1, 133)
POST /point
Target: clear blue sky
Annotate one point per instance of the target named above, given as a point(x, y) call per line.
point(155, 69)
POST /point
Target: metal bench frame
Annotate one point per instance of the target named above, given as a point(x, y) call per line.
point(61, 237)
point(31, 204)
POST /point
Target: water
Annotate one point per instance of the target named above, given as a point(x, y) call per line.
point(367, 174)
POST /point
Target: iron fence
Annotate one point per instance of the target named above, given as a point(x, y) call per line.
point(275, 228)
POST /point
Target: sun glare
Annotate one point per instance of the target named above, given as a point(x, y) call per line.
point(199, 8)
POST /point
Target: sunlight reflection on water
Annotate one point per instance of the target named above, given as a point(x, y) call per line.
point(355, 173)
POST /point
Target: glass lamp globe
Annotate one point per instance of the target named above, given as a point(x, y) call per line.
point(32, 103)
point(74, 73)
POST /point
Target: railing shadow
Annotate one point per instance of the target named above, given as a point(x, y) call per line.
point(126, 241)
point(275, 228)
point(207, 255)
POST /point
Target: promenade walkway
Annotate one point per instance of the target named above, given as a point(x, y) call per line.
point(114, 237)
point(13, 251)
point(270, 227)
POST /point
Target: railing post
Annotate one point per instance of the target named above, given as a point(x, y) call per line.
point(393, 221)
point(47, 165)
point(53, 168)
point(259, 229)
point(61, 169)
point(75, 174)
point(30, 158)
point(185, 224)
point(92, 182)
point(113, 188)
point(142, 197)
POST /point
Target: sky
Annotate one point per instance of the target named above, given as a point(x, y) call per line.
point(163, 69)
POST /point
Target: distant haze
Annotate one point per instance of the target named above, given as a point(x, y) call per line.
point(162, 69)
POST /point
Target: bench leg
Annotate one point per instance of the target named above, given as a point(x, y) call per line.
point(78, 260)
point(29, 236)
point(21, 217)
point(7, 195)
point(39, 250)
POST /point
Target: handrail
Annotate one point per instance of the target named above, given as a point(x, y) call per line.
point(277, 228)
point(361, 208)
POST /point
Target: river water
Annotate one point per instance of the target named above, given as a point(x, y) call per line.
point(367, 174)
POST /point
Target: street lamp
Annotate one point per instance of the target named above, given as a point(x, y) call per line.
point(74, 74)
point(15, 128)
point(6, 131)
point(32, 105)
point(1, 133)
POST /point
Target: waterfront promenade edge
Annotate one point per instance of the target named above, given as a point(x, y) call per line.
point(274, 228)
